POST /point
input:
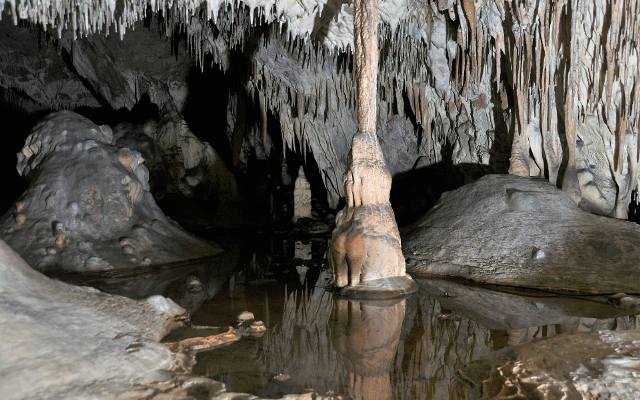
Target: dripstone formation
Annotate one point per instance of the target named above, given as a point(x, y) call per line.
point(366, 254)
point(301, 197)
point(540, 88)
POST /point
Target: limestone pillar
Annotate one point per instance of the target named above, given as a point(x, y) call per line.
point(366, 255)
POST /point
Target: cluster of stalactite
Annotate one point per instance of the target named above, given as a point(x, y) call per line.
point(569, 66)
point(309, 88)
point(467, 77)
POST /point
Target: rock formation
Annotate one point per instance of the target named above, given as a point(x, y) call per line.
point(178, 162)
point(88, 205)
point(63, 341)
point(544, 89)
point(365, 250)
point(457, 79)
point(301, 197)
point(519, 231)
point(185, 173)
point(561, 368)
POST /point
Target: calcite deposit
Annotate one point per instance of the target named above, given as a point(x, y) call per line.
point(63, 341)
point(461, 80)
point(365, 251)
point(179, 163)
point(301, 197)
point(365, 94)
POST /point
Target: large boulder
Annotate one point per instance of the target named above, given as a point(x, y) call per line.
point(524, 232)
point(88, 205)
point(62, 341)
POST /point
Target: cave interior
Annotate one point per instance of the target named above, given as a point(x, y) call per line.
point(320, 199)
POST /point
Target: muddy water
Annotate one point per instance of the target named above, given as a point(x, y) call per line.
point(413, 348)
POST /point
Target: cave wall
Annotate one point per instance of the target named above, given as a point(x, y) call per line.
point(536, 88)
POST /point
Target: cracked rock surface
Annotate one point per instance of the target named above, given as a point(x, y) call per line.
point(601, 365)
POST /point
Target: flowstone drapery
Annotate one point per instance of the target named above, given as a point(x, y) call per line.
point(366, 255)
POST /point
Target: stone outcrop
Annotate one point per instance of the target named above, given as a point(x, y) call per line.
point(88, 205)
point(518, 231)
point(576, 366)
point(179, 163)
point(62, 341)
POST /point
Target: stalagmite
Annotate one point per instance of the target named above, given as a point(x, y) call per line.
point(366, 255)
point(301, 197)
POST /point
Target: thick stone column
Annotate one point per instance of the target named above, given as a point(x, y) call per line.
point(366, 255)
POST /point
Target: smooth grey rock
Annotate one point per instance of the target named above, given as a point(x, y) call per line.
point(524, 232)
point(62, 341)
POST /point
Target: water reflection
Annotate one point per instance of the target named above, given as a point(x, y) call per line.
point(366, 335)
point(414, 348)
point(188, 283)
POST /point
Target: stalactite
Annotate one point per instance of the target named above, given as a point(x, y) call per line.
point(480, 46)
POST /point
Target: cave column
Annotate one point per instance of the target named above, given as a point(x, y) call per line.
point(365, 252)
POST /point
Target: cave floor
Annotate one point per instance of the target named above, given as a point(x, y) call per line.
point(428, 345)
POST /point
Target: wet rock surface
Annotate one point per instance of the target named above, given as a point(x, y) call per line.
point(524, 232)
point(88, 205)
point(601, 365)
point(365, 254)
point(435, 344)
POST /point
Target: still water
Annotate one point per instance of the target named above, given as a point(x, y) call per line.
point(413, 348)
point(419, 347)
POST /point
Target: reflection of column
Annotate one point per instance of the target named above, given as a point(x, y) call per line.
point(366, 334)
